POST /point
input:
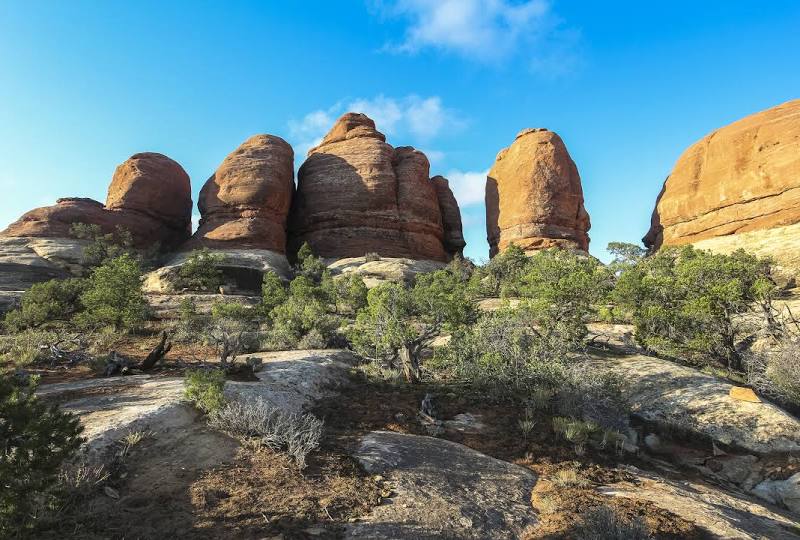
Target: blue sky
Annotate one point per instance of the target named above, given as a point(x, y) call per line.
point(628, 85)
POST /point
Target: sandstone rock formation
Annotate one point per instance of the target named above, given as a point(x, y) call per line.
point(149, 195)
point(534, 197)
point(451, 216)
point(743, 178)
point(246, 202)
point(356, 194)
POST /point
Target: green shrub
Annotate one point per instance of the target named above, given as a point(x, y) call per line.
point(309, 265)
point(347, 293)
point(398, 324)
point(201, 271)
point(501, 274)
point(205, 388)
point(51, 301)
point(305, 311)
point(273, 292)
point(516, 350)
point(502, 354)
point(114, 296)
point(36, 439)
point(106, 246)
point(688, 303)
point(231, 328)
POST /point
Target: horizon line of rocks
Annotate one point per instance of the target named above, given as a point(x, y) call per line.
point(356, 194)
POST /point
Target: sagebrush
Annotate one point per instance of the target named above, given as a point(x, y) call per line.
point(294, 433)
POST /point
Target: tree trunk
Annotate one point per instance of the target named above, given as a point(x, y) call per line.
point(410, 363)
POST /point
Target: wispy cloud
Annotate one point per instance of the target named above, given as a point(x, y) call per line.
point(419, 119)
point(485, 30)
point(468, 186)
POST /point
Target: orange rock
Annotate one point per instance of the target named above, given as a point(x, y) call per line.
point(245, 203)
point(740, 178)
point(534, 197)
point(149, 195)
point(741, 393)
point(357, 194)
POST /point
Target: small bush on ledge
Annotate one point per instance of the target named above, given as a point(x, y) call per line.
point(201, 271)
point(204, 388)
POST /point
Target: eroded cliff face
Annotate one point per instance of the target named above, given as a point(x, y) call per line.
point(451, 217)
point(245, 203)
point(149, 195)
point(356, 194)
point(534, 197)
point(739, 186)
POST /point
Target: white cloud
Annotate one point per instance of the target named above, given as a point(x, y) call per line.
point(483, 30)
point(468, 187)
point(195, 222)
point(419, 119)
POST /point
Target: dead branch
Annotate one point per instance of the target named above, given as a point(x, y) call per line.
point(157, 354)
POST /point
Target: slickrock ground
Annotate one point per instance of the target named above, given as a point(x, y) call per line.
point(184, 478)
point(356, 194)
point(443, 490)
point(149, 195)
point(245, 203)
point(534, 197)
point(681, 397)
point(742, 178)
point(724, 514)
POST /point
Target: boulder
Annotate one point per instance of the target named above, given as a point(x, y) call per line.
point(356, 194)
point(26, 261)
point(738, 187)
point(149, 195)
point(451, 217)
point(783, 492)
point(245, 203)
point(534, 197)
point(441, 489)
point(375, 271)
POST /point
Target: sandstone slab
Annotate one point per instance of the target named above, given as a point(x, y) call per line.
point(680, 397)
point(442, 489)
point(111, 407)
point(724, 514)
point(383, 269)
point(242, 270)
